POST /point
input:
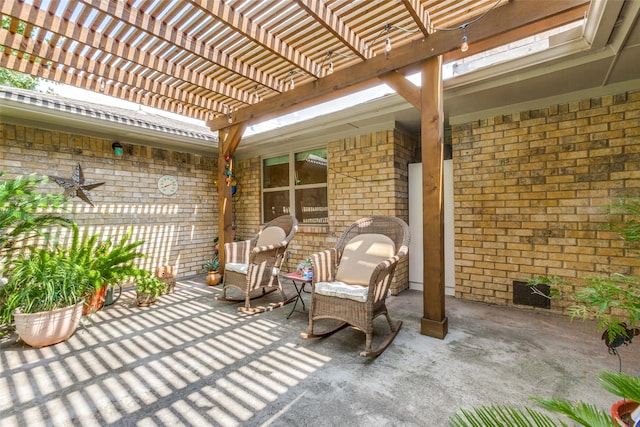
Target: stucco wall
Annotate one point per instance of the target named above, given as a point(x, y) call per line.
point(531, 191)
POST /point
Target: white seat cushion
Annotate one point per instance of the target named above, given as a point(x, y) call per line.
point(271, 236)
point(361, 256)
point(236, 267)
point(244, 268)
point(342, 290)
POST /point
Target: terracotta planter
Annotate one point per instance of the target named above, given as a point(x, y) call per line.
point(213, 278)
point(621, 411)
point(48, 327)
point(95, 301)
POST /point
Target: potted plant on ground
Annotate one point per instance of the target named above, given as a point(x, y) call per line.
point(614, 301)
point(211, 266)
point(44, 296)
point(582, 413)
point(148, 289)
point(107, 263)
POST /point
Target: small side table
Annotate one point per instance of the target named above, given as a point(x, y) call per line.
point(299, 283)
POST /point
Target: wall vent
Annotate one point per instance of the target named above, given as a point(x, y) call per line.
point(523, 295)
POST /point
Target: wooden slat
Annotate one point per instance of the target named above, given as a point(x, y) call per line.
point(161, 29)
point(196, 57)
point(503, 19)
point(335, 26)
point(419, 14)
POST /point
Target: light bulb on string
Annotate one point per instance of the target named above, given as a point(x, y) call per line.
point(387, 45)
point(330, 66)
point(292, 83)
point(465, 45)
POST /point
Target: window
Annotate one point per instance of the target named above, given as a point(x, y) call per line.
point(298, 186)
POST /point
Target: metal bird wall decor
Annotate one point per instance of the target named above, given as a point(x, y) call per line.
point(77, 185)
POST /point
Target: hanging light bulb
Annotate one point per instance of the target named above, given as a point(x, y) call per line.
point(292, 84)
point(229, 117)
point(387, 45)
point(330, 66)
point(102, 85)
point(465, 45)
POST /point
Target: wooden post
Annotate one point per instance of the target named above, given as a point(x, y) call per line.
point(228, 140)
point(434, 322)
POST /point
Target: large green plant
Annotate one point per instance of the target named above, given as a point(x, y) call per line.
point(107, 262)
point(584, 414)
point(613, 300)
point(25, 213)
point(42, 280)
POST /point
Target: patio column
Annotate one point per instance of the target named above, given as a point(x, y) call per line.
point(434, 322)
point(228, 141)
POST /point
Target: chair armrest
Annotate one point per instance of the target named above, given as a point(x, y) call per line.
point(381, 277)
point(237, 252)
point(272, 254)
point(324, 265)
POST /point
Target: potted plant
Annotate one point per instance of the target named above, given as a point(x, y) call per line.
point(107, 263)
point(44, 296)
point(582, 413)
point(211, 267)
point(614, 301)
point(148, 289)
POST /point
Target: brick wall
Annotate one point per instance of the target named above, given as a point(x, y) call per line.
point(178, 230)
point(368, 175)
point(531, 191)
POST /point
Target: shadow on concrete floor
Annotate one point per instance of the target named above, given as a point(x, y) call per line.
point(191, 360)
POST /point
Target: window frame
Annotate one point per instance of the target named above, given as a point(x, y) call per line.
point(292, 187)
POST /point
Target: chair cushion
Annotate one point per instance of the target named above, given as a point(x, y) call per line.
point(271, 236)
point(361, 256)
point(244, 268)
point(342, 290)
point(236, 267)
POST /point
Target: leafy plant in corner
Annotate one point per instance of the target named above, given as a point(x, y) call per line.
point(25, 214)
point(211, 264)
point(614, 301)
point(584, 414)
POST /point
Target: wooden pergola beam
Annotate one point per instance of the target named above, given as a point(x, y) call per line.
point(229, 139)
point(506, 18)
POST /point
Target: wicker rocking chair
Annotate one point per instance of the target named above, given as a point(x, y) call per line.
point(351, 281)
point(253, 266)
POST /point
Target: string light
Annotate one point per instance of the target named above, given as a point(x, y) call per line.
point(229, 117)
point(330, 64)
point(387, 45)
point(292, 83)
point(465, 45)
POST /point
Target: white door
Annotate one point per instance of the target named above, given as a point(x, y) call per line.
point(416, 264)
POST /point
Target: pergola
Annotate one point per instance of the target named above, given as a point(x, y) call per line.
point(234, 63)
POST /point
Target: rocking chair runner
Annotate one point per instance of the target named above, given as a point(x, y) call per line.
point(253, 266)
point(351, 281)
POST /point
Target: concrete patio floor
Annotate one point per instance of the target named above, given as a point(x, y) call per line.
point(191, 360)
